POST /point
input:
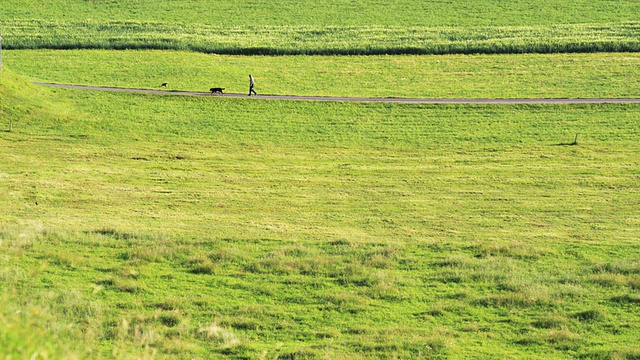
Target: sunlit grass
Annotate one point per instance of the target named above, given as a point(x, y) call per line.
point(356, 13)
point(320, 40)
point(136, 226)
point(224, 227)
point(455, 76)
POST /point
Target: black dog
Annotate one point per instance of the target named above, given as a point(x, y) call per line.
point(216, 91)
point(163, 85)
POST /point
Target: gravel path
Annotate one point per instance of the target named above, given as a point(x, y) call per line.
point(353, 99)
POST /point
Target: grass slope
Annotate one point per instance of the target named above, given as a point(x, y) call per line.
point(21, 102)
point(456, 76)
point(191, 227)
point(31, 322)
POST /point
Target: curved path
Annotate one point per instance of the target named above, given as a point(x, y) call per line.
point(354, 99)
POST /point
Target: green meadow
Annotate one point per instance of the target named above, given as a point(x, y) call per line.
point(409, 76)
point(320, 40)
point(360, 27)
point(357, 13)
point(144, 226)
point(141, 226)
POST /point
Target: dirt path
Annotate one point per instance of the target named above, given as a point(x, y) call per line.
point(353, 99)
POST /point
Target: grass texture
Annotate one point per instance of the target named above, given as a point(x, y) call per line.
point(151, 226)
point(319, 40)
point(321, 13)
point(455, 76)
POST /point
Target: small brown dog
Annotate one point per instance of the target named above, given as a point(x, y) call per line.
point(216, 91)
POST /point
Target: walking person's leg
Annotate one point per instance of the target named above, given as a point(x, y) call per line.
point(251, 84)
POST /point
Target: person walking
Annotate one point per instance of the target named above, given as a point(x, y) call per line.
point(251, 85)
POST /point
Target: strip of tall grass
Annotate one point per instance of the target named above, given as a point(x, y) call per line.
point(320, 40)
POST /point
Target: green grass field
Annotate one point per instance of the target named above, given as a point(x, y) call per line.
point(320, 40)
point(149, 226)
point(358, 13)
point(453, 76)
point(140, 227)
point(361, 27)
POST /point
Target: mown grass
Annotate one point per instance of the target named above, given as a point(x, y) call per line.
point(320, 40)
point(191, 227)
point(481, 76)
point(358, 13)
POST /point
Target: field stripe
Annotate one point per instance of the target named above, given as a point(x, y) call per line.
point(352, 99)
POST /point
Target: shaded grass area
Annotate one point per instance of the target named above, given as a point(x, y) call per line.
point(320, 40)
point(454, 76)
point(230, 228)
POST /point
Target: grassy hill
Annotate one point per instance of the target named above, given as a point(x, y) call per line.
point(23, 103)
point(25, 326)
point(139, 226)
point(213, 228)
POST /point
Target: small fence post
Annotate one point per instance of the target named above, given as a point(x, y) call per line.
point(10, 121)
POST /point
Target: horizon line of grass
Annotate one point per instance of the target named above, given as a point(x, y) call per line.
point(318, 40)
